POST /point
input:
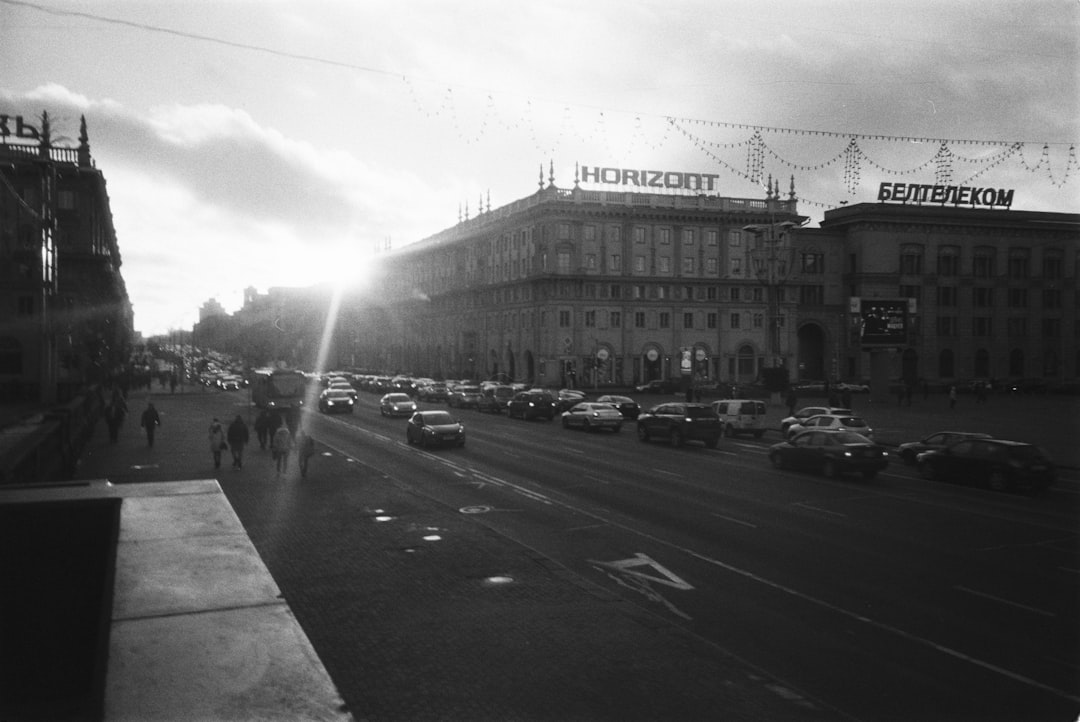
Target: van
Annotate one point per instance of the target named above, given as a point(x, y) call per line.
point(741, 416)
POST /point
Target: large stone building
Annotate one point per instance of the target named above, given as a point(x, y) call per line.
point(65, 316)
point(592, 288)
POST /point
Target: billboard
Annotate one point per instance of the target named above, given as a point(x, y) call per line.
point(882, 321)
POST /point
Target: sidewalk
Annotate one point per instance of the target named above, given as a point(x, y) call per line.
point(418, 613)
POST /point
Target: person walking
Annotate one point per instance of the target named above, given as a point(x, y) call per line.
point(305, 449)
point(262, 428)
point(952, 396)
point(792, 401)
point(280, 444)
point(237, 437)
point(115, 411)
point(150, 421)
point(217, 442)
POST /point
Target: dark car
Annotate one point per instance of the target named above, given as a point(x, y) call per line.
point(626, 405)
point(658, 386)
point(336, 401)
point(566, 398)
point(910, 450)
point(494, 399)
point(830, 452)
point(997, 463)
point(532, 405)
point(432, 392)
point(434, 428)
point(462, 397)
point(681, 422)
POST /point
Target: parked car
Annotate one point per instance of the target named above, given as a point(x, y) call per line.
point(998, 463)
point(626, 405)
point(806, 412)
point(397, 404)
point(494, 399)
point(830, 452)
point(681, 422)
point(229, 383)
point(533, 404)
point(336, 401)
point(741, 416)
point(463, 397)
point(432, 392)
point(910, 450)
point(565, 398)
point(658, 386)
point(592, 416)
point(434, 428)
point(838, 422)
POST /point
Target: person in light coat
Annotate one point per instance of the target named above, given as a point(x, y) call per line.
point(280, 445)
point(217, 441)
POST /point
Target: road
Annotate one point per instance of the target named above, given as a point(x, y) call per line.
point(894, 599)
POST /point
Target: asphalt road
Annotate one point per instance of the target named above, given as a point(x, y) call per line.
point(769, 594)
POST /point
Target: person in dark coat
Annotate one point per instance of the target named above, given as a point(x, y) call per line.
point(792, 401)
point(237, 437)
point(262, 428)
point(115, 411)
point(150, 421)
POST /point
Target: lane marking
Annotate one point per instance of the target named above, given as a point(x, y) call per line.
point(735, 521)
point(668, 473)
point(984, 595)
point(817, 508)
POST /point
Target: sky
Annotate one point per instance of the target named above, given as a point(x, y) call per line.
point(288, 143)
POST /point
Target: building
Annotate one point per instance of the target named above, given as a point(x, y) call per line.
point(65, 316)
point(592, 288)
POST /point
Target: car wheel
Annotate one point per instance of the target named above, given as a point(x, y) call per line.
point(830, 469)
point(676, 438)
point(997, 481)
point(777, 460)
point(729, 430)
point(642, 433)
point(382, 411)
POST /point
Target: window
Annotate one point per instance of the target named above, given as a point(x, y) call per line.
point(688, 320)
point(665, 236)
point(710, 293)
point(947, 295)
point(1018, 298)
point(639, 291)
point(813, 263)
point(812, 295)
point(564, 319)
point(687, 265)
point(664, 264)
point(590, 261)
point(66, 200)
point(710, 320)
point(564, 261)
point(1051, 298)
point(949, 261)
point(614, 233)
point(909, 292)
point(590, 290)
point(1053, 265)
point(736, 266)
point(982, 297)
point(615, 319)
point(758, 320)
point(733, 320)
point(616, 290)
point(1018, 263)
point(614, 263)
point(639, 234)
point(590, 319)
point(983, 263)
point(712, 237)
point(639, 264)
point(564, 230)
point(734, 294)
point(665, 319)
point(639, 319)
point(661, 292)
point(759, 294)
point(589, 232)
point(688, 236)
point(946, 326)
point(1051, 328)
point(734, 238)
point(1016, 327)
point(911, 263)
point(710, 266)
point(982, 326)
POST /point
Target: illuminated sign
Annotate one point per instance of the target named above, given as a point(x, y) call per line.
point(882, 321)
point(649, 178)
point(919, 193)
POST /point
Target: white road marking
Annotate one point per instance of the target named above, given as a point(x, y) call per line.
point(668, 473)
point(735, 521)
point(817, 508)
point(984, 595)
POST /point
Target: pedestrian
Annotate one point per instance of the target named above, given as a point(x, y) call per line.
point(217, 442)
point(792, 401)
point(952, 396)
point(150, 421)
point(115, 411)
point(262, 428)
point(305, 449)
point(237, 437)
point(173, 381)
point(280, 444)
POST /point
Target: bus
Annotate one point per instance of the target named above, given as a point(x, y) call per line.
point(278, 388)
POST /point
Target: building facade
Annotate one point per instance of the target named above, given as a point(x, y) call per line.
point(65, 317)
point(596, 288)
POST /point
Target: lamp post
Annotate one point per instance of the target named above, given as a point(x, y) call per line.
point(772, 261)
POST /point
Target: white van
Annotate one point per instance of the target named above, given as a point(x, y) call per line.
point(741, 416)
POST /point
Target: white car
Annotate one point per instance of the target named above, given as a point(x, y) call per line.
point(837, 422)
point(592, 416)
point(397, 404)
point(806, 412)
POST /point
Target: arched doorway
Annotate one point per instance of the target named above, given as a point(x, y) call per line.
point(745, 364)
point(811, 354)
point(652, 364)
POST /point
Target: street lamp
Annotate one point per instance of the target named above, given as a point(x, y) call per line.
point(772, 261)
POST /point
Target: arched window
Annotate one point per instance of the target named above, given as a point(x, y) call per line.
point(945, 364)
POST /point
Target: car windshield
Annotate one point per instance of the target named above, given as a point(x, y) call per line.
point(438, 418)
point(337, 393)
point(700, 412)
point(397, 398)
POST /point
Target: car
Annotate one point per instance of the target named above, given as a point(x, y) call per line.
point(657, 386)
point(806, 412)
point(680, 422)
point(229, 383)
point(1000, 464)
point(626, 405)
point(434, 428)
point(494, 399)
point(565, 398)
point(462, 397)
point(336, 401)
point(432, 392)
point(397, 404)
point(592, 416)
point(741, 416)
point(841, 422)
point(830, 452)
point(532, 404)
point(909, 451)
point(342, 385)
